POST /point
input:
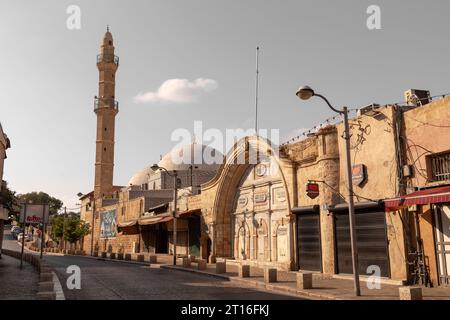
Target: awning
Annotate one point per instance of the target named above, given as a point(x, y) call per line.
point(160, 207)
point(153, 220)
point(127, 224)
point(426, 196)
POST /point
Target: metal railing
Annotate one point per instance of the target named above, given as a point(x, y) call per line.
point(440, 166)
point(106, 103)
point(108, 58)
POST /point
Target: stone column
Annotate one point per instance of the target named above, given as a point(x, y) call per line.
point(329, 172)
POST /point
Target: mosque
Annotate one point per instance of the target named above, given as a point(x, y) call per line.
point(256, 213)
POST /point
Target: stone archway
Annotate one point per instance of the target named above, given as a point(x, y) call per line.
point(227, 239)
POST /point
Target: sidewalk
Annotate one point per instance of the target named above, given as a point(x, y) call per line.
point(17, 284)
point(324, 287)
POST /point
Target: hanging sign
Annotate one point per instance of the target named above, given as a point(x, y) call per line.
point(312, 190)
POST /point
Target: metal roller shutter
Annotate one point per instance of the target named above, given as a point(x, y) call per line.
point(371, 239)
point(308, 242)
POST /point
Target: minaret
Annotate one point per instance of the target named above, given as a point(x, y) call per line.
point(106, 109)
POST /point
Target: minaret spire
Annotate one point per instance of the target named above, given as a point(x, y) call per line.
point(106, 108)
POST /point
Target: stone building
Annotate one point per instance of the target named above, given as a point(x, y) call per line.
point(425, 204)
point(4, 145)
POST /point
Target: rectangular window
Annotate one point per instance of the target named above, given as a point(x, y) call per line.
point(439, 166)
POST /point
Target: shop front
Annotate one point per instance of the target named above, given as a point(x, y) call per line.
point(371, 237)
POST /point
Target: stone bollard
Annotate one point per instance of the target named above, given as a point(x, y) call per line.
point(244, 271)
point(120, 256)
point(193, 258)
point(112, 255)
point(128, 256)
point(103, 255)
point(44, 277)
point(201, 264)
point(140, 257)
point(270, 275)
point(304, 280)
point(410, 293)
point(185, 262)
point(221, 267)
point(153, 258)
point(95, 254)
point(51, 295)
point(46, 286)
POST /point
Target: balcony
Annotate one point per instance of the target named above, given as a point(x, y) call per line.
point(106, 103)
point(108, 58)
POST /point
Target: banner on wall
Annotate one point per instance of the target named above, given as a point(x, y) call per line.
point(108, 224)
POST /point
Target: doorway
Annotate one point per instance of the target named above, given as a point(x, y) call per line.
point(442, 235)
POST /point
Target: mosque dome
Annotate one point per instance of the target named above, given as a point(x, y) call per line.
point(181, 158)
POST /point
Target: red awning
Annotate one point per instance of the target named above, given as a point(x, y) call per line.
point(427, 196)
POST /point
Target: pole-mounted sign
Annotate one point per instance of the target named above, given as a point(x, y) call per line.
point(34, 213)
point(312, 189)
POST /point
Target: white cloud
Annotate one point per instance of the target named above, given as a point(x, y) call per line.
point(177, 91)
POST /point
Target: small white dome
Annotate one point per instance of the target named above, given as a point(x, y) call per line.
point(141, 177)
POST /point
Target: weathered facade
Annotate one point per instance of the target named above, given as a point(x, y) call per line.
point(4, 145)
point(425, 205)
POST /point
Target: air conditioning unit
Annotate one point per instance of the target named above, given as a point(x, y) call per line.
point(417, 97)
point(370, 110)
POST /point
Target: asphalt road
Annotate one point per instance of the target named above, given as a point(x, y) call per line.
point(107, 280)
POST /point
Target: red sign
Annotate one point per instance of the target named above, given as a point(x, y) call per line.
point(312, 190)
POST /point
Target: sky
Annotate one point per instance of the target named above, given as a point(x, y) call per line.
point(194, 60)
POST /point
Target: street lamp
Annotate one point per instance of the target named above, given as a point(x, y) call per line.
point(156, 167)
point(306, 93)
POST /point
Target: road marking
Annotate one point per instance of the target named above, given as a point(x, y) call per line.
point(58, 288)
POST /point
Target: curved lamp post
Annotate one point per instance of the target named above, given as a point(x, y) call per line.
point(306, 93)
point(156, 167)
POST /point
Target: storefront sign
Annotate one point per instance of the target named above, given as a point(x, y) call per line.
point(359, 174)
point(312, 190)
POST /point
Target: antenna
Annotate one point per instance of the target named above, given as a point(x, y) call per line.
point(256, 90)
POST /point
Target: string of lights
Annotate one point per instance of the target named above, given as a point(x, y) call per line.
point(332, 120)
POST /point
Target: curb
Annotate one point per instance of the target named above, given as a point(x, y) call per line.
point(257, 284)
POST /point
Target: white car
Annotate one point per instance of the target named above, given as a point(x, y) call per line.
point(28, 237)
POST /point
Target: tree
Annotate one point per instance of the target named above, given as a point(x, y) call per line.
point(42, 198)
point(75, 229)
point(57, 230)
point(10, 201)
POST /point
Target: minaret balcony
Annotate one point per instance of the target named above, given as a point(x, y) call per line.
point(106, 103)
point(109, 58)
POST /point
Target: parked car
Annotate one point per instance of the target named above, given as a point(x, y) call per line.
point(16, 232)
